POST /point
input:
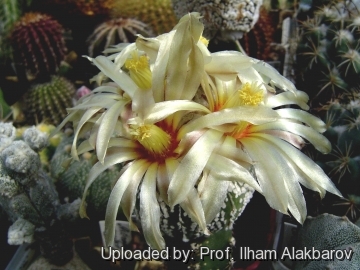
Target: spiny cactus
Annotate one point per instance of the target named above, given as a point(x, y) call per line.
point(342, 117)
point(10, 12)
point(47, 102)
point(28, 195)
point(38, 43)
point(329, 232)
point(328, 54)
point(116, 31)
point(158, 14)
point(71, 180)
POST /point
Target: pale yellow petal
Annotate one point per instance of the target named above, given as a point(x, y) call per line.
point(150, 210)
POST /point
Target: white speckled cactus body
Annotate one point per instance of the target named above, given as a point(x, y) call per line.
point(29, 198)
point(329, 232)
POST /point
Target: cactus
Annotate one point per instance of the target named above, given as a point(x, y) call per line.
point(47, 102)
point(38, 43)
point(158, 14)
point(342, 165)
point(329, 232)
point(176, 224)
point(10, 12)
point(224, 19)
point(116, 31)
point(328, 54)
point(70, 181)
point(29, 198)
point(258, 42)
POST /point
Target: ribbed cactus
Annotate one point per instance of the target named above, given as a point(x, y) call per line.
point(10, 12)
point(158, 14)
point(328, 232)
point(29, 198)
point(116, 31)
point(47, 102)
point(258, 42)
point(71, 180)
point(328, 54)
point(38, 43)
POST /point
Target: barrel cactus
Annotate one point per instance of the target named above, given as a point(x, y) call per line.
point(326, 233)
point(38, 43)
point(328, 54)
point(47, 102)
point(158, 14)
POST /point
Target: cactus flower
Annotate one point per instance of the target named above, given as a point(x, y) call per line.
point(185, 122)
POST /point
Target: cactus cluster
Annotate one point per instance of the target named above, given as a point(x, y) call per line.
point(47, 102)
point(28, 196)
point(328, 54)
point(38, 43)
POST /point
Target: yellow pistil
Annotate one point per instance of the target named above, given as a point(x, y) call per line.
point(154, 139)
point(204, 41)
point(139, 70)
point(251, 94)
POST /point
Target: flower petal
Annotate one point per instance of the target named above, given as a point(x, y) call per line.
point(150, 210)
point(128, 199)
point(193, 207)
point(98, 168)
point(271, 182)
point(255, 115)
point(191, 166)
point(212, 195)
point(115, 198)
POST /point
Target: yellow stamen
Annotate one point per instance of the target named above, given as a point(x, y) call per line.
point(154, 139)
point(251, 94)
point(139, 70)
point(204, 41)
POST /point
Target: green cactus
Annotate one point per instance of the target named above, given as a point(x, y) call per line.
point(342, 165)
point(38, 43)
point(70, 181)
point(47, 102)
point(329, 232)
point(328, 54)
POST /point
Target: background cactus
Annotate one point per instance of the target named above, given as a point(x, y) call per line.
point(158, 14)
point(329, 232)
point(71, 180)
point(38, 43)
point(114, 31)
point(47, 102)
point(342, 165)
point(328, 54)
point(29, 197)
